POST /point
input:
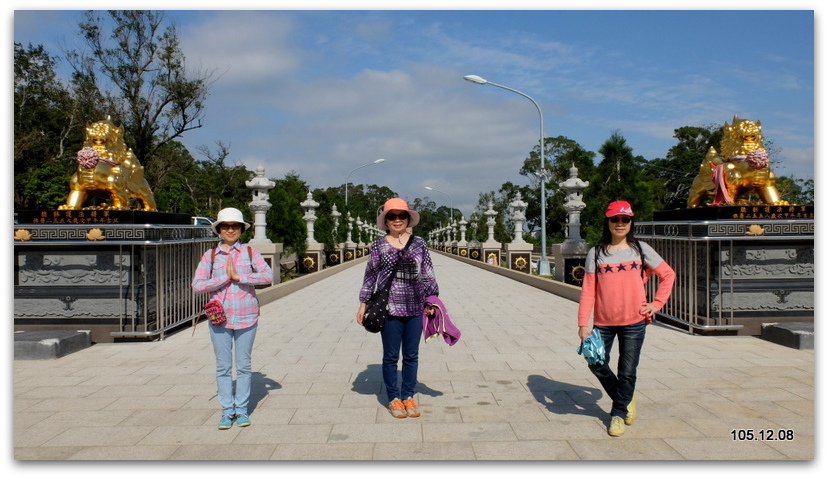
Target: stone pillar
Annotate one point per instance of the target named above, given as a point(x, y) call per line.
point(334, 256)
point(270, 251)
point(519, 251)
point(462, 245)
point(312, 260)
point(570, 255)
point(491, 248)
point(349, 248)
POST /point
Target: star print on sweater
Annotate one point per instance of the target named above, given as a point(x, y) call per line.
point(612, 292)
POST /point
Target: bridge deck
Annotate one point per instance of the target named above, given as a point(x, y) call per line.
point(513, 388)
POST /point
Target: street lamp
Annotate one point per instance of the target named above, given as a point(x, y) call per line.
point(349, 178)
point(543, 267)
point(451, 203)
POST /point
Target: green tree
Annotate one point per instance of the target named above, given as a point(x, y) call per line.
point(49, 121)
point(157, 99)
point(284, 219)
point(682, 162)
point(617, 177)
point(795, 190)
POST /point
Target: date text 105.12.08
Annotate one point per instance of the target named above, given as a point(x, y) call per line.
point(762, 435)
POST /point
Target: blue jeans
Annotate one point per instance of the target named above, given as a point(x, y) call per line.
point(233, 403)
point(397, 332)
point(620, 388)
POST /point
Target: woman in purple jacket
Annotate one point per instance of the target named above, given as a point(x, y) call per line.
point(413, 282)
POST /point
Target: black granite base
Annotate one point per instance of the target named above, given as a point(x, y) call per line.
point(797, 335)
point(49, 344)
point(735, 213)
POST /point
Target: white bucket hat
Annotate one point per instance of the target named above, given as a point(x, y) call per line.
point(229, 214)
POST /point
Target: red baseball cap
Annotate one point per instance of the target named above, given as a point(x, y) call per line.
point(619, 207)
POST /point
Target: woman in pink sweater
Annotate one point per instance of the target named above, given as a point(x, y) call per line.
point(613, 292)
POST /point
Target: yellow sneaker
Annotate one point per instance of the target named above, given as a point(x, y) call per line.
point(616, 427)
point(411, 407)
point(397, 408)
point(630, 418)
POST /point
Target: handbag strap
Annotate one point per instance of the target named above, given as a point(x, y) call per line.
point(397, 263)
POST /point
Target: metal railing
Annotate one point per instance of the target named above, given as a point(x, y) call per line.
point(140, 280)
point(703, 255)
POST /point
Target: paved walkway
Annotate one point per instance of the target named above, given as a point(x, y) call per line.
point(513, 388)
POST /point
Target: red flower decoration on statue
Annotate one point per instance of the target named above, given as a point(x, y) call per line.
point(758, 159)
point(88, 157)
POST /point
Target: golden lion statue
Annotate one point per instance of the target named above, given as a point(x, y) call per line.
point(105, 164)
point(741, 167)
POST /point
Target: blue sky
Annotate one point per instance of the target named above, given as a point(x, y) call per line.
point(322, 92)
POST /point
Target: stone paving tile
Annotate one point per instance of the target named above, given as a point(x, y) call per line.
point(453, 432)
point(626, 447)
point(100, 436)
point(266, 435)
point(425, 451)
point(723, 449)
point(124, 453)
point(524, 450)
point(513, 388)
point(224, 452)
point(327, 451)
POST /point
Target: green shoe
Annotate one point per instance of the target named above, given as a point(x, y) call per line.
point(616, 427)
point(630, 418)
point(242, 421)
point(225, 423)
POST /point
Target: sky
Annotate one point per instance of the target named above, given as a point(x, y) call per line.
point(322, 92)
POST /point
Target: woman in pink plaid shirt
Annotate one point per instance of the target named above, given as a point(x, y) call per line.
point(230, 273)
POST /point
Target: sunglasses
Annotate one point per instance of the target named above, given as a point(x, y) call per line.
point(224, 225)
point(392, 216)
point(624, 220)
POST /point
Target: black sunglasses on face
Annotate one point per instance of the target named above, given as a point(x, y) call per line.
point(625, 219)
point(392, 216)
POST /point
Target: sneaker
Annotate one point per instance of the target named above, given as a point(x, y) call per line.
point(411, 407)
point(397, 409)
point(242, 421)
point(225, 423)
point(616, 427)
point(630, 418)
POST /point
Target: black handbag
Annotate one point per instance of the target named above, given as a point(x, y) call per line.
point(376, 309)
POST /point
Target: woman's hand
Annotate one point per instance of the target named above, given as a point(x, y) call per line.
point(648, 309)
point(231, 270)
point(429, 309)
point(584, 332)
point(360, 313)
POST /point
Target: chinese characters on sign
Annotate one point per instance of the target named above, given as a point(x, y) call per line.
point(75, 217)
point(774, 212)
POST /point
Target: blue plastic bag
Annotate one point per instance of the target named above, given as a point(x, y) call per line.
point(592, 348)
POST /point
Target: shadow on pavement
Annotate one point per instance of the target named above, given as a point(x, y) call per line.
point(369, 382)
point(564, 398)
point(260, 386)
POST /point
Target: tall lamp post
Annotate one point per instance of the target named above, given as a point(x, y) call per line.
point(349, 178)
point(543, 267)
point(451, 202)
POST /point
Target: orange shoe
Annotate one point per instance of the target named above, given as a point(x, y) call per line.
point(397, 408)
point(411, 407)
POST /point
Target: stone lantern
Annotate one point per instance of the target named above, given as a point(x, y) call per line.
point(519, 251)
point(570, 255)
point(270, 251)
point(312, 260)
point(491, 248)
